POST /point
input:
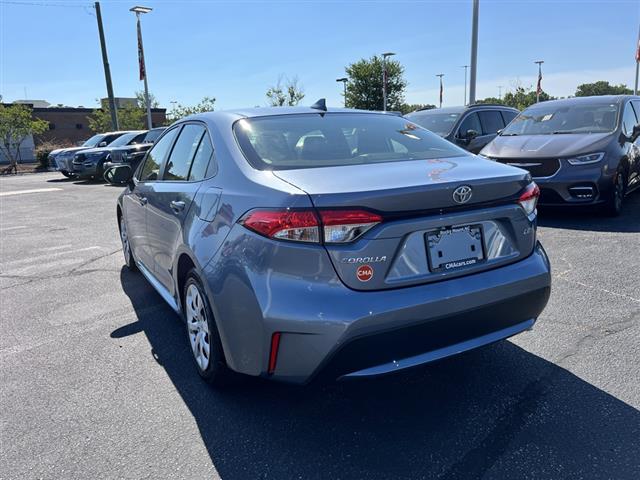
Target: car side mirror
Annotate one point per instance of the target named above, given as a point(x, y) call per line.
point(102, 144)
point(635, 133)
point(119, 175)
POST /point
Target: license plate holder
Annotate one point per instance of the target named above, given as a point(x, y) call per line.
point(453, 248)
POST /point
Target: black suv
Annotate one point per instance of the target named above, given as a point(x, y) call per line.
point(583, 150)
point(470, 127)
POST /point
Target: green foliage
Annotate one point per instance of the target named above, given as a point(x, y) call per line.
point(497, 101)
point(289, 94)
point(408, 108)
point(142, 103)
point(179, 111)
point(364, 88)
point(17, 123)
point(45, 148)
point(601, 88)
point(129, 118)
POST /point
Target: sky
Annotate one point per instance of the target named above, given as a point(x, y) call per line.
point(235, 50)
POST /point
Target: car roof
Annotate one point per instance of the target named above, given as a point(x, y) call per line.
point(462, 109)
point(596, 99)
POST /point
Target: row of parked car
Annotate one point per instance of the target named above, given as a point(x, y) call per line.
point(97, 154)
point(578, 150)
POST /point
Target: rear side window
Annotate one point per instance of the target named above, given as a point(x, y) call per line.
point(313, 140)
point(156, 156)
point(508, 115)
point(491, 122)
point(179, 163)
point(201, 160)
point(629, 120)
point(471, 122)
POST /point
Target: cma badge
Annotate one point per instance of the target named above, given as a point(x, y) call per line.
point(357, 260)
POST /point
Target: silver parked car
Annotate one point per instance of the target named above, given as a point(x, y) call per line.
point(305, 242)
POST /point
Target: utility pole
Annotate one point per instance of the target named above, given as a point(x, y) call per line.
point(384, 79)
point(465, 83)
point(539, 86)
point(344, 81)
point(107, 71)
point(441, 87)
point(474, 53)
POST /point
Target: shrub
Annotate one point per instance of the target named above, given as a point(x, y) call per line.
point(42, 152)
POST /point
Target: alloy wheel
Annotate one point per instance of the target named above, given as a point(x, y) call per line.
point(198, 326)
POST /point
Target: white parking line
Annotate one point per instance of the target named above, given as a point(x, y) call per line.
point(17, 227)
point(49, 256)
point(35, 190)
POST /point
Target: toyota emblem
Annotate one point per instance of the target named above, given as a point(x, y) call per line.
point(462, 194)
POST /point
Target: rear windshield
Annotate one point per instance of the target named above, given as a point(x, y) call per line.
point(152, 135)
point(546, 119)
point(333, 139)
point(437, 122)
point(93, 141)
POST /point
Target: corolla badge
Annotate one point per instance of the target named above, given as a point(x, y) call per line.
point(462, 194)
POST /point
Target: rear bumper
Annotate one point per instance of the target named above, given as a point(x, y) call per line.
point(341, 333)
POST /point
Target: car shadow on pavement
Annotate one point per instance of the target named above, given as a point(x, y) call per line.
point(590, 219)
point(498, 411)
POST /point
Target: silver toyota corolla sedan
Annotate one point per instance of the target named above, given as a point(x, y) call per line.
point(300, 243)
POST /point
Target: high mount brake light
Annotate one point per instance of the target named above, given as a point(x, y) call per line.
point(529, 198)
point(338, 226)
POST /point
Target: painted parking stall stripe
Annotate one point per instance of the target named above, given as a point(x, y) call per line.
point(34, 190)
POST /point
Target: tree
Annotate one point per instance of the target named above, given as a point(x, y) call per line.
point(494, 100)
point(522, 98)
point(601, 88)
point(16, 124)
point(364, 88)
point(142, 102)
point(408, 108)
point(289, 94)
point(179, 111)
point(129, 118)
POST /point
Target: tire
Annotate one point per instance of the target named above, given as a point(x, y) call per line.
point(202, 333)
point(126, 246)
point(613, 207)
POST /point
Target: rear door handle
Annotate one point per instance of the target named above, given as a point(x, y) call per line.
point(177, 206)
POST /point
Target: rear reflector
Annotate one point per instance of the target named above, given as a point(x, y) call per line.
point(338, 226)
point(273, 354)
point(529, 198)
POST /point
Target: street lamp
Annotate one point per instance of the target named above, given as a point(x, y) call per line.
point(384, 79)
point(344, 81)
point(138, 10)
point(539, 86)
point(465, 82)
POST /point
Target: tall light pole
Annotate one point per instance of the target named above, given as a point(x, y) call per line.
point(499, 92)
point(539, 86)
point(344, 81)
point(384, 79)
point(441, 87)
point(107, 71)
point(474, 53)
point(143, 68)
point(465, 82)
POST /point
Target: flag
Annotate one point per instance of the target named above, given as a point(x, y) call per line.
point(441, 90)
point(638, 51)
point(143, 72)
point(539, 87)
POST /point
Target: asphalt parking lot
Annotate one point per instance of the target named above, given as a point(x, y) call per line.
point(97, 380)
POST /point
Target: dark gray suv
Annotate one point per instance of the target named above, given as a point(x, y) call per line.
point(580, 151)
point(299, 242)
point(470, 127)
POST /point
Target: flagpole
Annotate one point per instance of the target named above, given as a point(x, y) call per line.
point(143, 67)
point(635, 87)
point(440, 75)
point(539, 87)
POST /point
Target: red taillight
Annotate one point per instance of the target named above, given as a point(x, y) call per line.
point(273, 354)
point(298, 225)
point(529, 198)
point(339, 226)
